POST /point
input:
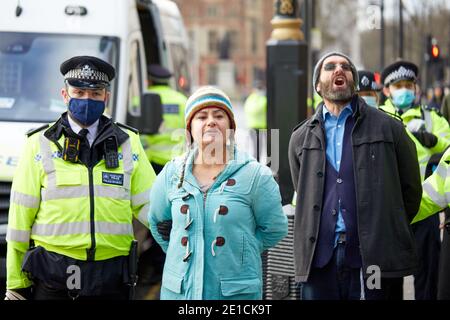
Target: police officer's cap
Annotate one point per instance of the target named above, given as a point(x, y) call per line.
point(158, 73)
point(87, 72)
point(367, 81)
point(400, 70)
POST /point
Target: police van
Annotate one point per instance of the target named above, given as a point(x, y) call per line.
point(36, 36)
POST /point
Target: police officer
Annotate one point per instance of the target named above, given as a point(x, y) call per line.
point(79, 183)
point(255, 108)
point(166, 144)
point(368, 88)
point(428, 126)
point(434, 200)
point(431, 133)
point(430, 129)
point(160, 149)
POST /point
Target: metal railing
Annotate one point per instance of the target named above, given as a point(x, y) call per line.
point(278, 266)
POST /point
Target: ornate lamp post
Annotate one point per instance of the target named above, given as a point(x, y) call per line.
point(286, 24)
point(287, 74)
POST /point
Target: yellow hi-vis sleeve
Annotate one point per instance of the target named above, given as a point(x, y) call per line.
point(141, 181)
point(441, 130)
point(434, 190)
point(24, 204)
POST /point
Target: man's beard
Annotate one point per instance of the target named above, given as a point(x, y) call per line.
point(338, 95)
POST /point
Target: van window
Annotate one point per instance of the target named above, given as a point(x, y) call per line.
point(149, 35)
point(135, 81)
point(165, 40)
point(30, 80)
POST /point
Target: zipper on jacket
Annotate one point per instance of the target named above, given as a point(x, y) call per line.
point(91, 250)
point(204, 200)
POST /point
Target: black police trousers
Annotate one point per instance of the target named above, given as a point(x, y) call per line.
point(43, 291)
point(428, 243)
point(444, 263)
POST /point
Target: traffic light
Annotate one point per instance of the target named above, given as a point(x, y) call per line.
point(435, 52)
point(435, 64)
point(433, 49)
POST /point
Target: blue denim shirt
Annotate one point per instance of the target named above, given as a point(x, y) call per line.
point(334, 130)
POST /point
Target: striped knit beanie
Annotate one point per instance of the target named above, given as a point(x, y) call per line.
point(208, 96)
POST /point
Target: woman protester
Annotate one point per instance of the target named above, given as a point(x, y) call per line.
point(215, 209)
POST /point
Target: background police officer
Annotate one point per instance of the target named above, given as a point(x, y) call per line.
point(255, 107)
point(368, 88)
point(79, 183)
point(431, 135)
point(166, 144)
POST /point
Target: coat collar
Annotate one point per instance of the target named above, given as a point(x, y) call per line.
point(239, 160)
point(357, 104)
point(317, 126)
point(106, 128)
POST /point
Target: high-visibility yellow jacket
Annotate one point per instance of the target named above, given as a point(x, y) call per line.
point(255, 107)
point(69, 208)
point(434, 123)
point(167, 143)
point(436, 190)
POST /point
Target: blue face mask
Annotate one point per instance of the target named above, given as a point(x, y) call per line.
point(371, 101)
point(86, 111)
point(403, 98)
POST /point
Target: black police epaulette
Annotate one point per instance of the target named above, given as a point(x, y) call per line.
point(128, 127)
point(428, 108)
point(33, 131)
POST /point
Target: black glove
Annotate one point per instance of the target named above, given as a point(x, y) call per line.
point(164, 228)
point(427, 139)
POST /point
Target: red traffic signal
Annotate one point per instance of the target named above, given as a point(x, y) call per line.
point(435, 51)
point(377, 77)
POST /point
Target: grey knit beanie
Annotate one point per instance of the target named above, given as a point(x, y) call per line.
point(318, 67)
